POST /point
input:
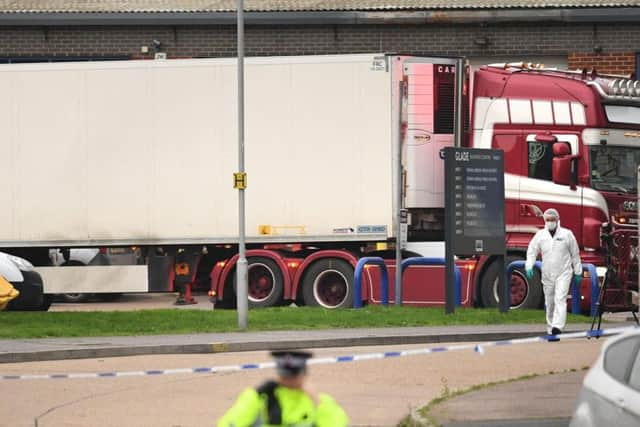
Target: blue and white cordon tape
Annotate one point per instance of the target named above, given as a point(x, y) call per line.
point(478, 348)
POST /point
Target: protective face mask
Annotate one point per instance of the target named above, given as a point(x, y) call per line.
point(551, 225)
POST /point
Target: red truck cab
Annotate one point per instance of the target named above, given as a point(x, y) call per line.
point(571, 142)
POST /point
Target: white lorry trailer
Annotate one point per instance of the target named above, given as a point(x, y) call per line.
point(142, 154)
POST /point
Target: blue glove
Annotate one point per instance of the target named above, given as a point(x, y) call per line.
point(529, 273)
point(577, 278)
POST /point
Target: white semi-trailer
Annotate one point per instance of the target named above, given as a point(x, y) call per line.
point(142, 154)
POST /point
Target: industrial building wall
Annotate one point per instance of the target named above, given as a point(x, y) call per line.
point(614, 63)
point(610, 47)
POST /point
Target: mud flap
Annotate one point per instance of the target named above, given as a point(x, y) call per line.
point(160, 273)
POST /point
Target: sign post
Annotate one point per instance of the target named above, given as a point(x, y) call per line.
point(240, 183)
point(474, 212)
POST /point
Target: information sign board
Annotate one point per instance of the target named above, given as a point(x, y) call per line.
point(474, 212)
point(474, 182)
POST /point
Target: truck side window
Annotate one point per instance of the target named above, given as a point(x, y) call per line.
point(540, 160)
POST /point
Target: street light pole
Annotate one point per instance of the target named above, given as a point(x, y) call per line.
point(240, 182)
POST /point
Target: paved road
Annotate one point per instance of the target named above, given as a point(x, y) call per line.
point(374, 392)
point(136, 301)
point(520, 403)
point(22, 350)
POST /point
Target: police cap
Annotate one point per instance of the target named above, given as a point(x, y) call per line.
point(291, 363)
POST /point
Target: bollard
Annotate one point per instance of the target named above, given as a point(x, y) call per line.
point(357, 282)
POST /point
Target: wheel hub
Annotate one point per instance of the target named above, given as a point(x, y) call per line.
point(261, 282)
point(330, 288)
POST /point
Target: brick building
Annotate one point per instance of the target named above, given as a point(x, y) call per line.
point(576, 33)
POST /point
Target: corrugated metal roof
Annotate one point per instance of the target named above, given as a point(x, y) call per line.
point(186, 6)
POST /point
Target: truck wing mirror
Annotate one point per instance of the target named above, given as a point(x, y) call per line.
point(563, 168)
point(561, 149)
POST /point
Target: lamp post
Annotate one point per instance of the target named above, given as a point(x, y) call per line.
point(240, 182)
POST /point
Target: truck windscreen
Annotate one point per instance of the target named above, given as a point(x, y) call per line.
point(614, 168)
point(623, 114)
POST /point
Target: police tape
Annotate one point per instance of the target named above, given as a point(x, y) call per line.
point(478, 348)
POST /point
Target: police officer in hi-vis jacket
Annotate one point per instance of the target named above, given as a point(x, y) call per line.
point(285, 401)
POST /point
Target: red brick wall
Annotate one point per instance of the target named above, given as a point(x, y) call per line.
point(607, 63)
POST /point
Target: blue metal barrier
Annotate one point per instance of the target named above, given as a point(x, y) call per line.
point(357, 282)
point(595, 286)
point(575, 290)
point(436, 261)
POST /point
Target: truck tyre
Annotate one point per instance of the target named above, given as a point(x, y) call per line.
point(524, 293)
point(229, 300)
point(75, 298)
point(265, 282)
point(328, 283)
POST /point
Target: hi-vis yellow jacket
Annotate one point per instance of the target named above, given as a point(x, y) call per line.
point(275, 405)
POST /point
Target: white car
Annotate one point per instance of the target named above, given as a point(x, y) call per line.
point(22, 276)
point(79, 256)
point(610, 394)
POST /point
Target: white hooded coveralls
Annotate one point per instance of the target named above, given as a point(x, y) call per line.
point(560, 261)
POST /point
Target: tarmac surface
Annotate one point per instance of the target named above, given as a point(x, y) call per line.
point(545, 400)
point(373, 391)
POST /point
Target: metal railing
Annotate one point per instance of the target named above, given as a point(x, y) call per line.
point(575, 289)
point(384, 286)
point(357, 282)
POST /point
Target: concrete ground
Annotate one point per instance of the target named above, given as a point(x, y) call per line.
point(139, 301)
point(543, 397)
point(376, 392)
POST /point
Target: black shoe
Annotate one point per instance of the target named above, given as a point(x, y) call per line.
point(555, 331)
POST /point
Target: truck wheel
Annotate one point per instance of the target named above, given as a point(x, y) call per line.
point(265, 283)
point(524, 293)
point(229, 300)
point(329, 283)
point(75, 297)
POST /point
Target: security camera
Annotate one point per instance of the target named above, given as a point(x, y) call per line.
point(157, 44)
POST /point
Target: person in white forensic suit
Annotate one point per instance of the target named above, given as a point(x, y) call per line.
point(560, 266)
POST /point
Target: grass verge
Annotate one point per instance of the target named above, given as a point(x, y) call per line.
point(172, 321)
